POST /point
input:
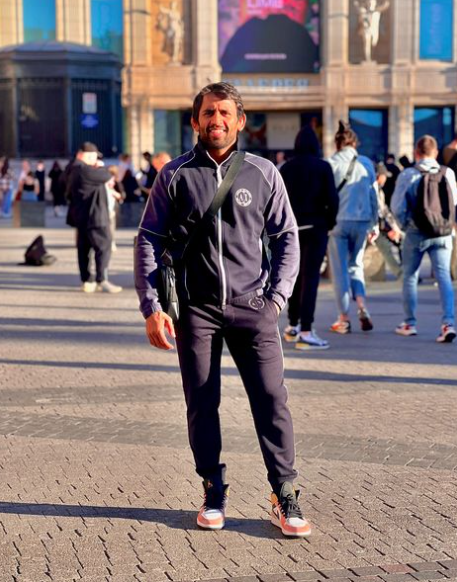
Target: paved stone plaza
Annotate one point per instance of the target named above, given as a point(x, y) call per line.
point(96, 476)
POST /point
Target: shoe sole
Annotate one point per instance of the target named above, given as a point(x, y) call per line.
point(290, 339)
point(366, 325)
point(406, 334)
point(450, 337)
point(306, 347)
point(211, 527)
point(341, 332)
point(277, 523)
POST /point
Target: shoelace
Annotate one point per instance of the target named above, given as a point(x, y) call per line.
point(290, 508)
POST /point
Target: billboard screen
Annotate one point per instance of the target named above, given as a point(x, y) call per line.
point(436, 29)
point(269, 36)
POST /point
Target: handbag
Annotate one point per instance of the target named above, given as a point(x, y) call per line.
point(166, 289)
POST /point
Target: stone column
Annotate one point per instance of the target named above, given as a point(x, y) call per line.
point(134, 131)
point(401, 127)
point(335, 33)
point(204, 43)
point(11, 22)
point(73, 21)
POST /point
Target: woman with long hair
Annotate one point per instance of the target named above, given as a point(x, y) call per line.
point(355, 180)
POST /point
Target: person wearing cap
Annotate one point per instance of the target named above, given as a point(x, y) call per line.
point(390, 233)
point(88, 213)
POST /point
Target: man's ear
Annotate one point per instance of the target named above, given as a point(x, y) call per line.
point(241, 122)
point(195, 125)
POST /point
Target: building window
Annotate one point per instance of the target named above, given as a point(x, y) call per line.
point(371, 127)
point(436, 26)
point(39, 20)
point(107, 25)
point(436, 121)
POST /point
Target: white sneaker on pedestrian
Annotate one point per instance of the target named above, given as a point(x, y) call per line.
point(291, 332)
point(447, 334)
point(311, 341)
point(406, 329)
point(107, 287)
point(89, 286)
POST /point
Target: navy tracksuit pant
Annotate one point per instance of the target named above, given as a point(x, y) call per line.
point(250, 330)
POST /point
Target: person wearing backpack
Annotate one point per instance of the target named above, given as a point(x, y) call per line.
point(424, 203)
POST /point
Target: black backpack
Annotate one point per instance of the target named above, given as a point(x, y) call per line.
point(36, 254)
point(434, 211)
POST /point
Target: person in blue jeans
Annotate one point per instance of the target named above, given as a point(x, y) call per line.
point(355, 179)
point(416, 243)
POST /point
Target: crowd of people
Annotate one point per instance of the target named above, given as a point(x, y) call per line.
point(366, 203)
point(204, 221)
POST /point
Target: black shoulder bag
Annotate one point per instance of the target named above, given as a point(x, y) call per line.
point(168, 296)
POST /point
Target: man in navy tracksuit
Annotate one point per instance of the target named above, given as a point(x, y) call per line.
point(224, 295)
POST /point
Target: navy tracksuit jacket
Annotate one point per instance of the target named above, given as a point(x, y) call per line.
point(226, 291)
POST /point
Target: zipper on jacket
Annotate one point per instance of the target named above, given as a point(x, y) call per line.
point(219, 244)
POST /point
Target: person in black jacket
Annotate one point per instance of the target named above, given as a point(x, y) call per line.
point(88, 213)
point(311, 187)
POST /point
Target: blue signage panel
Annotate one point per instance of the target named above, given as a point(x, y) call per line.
point(89, 120)
point(436, 24)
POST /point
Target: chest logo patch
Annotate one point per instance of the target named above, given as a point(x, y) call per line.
point(243, 197)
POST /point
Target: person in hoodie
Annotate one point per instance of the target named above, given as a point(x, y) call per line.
point(357, 215)
point(314, 200)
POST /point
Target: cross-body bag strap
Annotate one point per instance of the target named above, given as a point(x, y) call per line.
point(219, 198)
point(348, 174)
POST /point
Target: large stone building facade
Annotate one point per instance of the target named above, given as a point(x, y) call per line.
point(388, 66)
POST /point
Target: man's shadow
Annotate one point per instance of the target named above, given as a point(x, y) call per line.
point(174, 518)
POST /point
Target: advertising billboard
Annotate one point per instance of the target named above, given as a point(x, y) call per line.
point(436, 29)
point(269, 36)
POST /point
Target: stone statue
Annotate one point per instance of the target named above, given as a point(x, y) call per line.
point(171, 24)
point(369, 18)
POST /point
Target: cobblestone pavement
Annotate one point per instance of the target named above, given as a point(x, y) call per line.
point(97, 480)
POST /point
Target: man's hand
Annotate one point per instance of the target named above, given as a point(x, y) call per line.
point(394, 235)
point(156, 325)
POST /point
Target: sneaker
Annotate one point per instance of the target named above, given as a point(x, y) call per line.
point(286, 513)
point(447, 334)
point(89, 287)
point(212, 512)
point(291, 333)
point(406, 329)
point(365, 320)
point(107, 287)
point(340, 326)
point(311, 341)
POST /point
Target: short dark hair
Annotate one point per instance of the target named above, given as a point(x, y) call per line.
point(222, 90)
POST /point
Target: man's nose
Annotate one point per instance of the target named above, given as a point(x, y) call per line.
point(216, 117)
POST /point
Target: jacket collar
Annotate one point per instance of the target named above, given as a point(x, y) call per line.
point(203, 154)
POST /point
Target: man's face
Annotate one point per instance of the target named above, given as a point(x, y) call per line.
point(218, 124)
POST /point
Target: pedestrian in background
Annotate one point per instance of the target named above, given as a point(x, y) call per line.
point(40, 175)
point(30, 188)
point(314, 200)
point(88, 213)
point(390, 234)
point(223, 295)
point(407, 208)
point(57, 189)
point(6, 187)
point(357, 215)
